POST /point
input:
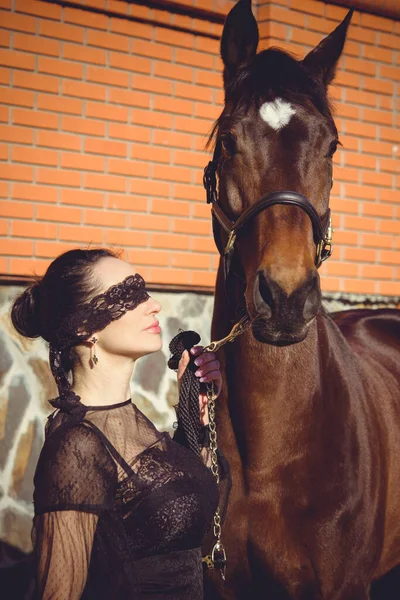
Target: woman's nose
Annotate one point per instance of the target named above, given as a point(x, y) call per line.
point(153, 305)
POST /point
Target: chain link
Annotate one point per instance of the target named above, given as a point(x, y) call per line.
point(217, 558)
point(213, 429)
point(213, 447)
point(236, 330)
point(217, 525)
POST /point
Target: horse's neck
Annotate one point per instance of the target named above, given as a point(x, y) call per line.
point(273, 392)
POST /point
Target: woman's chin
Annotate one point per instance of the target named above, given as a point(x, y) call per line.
point(152, 345)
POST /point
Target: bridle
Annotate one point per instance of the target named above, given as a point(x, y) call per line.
point(322, 227)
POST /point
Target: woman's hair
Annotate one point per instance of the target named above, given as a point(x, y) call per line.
point(68, 283)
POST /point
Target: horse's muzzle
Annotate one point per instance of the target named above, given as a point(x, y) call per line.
point(283, 319)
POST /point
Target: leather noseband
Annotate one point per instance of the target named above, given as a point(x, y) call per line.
point(322, 227)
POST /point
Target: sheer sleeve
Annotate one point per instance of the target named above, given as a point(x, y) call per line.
point(74, 472)
point(74, 482)
point(63, 543)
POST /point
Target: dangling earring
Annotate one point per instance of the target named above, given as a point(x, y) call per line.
point(94, 358)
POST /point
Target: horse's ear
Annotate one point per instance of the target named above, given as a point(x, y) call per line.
point(239, 38)
point(321, 62)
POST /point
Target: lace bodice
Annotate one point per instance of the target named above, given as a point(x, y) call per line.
point(115, 490)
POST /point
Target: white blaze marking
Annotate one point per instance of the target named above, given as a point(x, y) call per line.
point(277, 113)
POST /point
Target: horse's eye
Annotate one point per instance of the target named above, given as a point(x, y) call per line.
point(228, 145)
point(333, 148)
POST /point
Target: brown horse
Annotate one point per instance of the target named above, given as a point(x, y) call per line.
point(310, 415)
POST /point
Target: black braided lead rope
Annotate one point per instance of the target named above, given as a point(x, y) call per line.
point(188, 409)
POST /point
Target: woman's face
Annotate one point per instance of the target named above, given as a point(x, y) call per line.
point(137, 332)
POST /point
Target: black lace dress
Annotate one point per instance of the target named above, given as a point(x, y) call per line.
point(121, 510)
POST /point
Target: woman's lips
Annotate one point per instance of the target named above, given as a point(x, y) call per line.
point(154, 328)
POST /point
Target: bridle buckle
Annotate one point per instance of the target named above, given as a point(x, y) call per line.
point(329, 233)
point(231, 242)
point(325, 247)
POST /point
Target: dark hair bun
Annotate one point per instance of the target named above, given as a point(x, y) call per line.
point(44, 307)
point(25, 312)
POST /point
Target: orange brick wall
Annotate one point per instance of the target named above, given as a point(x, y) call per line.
point(103, 124)
point(102, 133)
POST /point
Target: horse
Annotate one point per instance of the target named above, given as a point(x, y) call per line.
point(309, 415)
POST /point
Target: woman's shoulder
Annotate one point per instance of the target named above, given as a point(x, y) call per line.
point(74, 471)
point(68, 437)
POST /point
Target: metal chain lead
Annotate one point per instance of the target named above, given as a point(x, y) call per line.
point(213, 429)
point(218, 554)
point(217, 558)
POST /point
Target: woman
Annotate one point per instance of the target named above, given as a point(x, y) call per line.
point(121, 510)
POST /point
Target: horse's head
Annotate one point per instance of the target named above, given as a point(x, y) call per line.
point(276, 133)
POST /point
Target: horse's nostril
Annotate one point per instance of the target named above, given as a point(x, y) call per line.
point(265, 300)
point(265, 290)
point(313, 300)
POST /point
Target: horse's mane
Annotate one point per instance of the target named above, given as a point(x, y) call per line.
point(272, 73)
